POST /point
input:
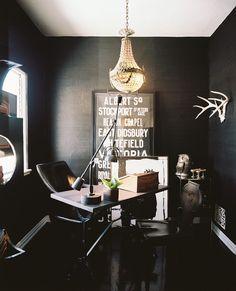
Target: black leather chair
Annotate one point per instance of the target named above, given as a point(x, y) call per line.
point(57, 176)
point(143, 207)
point(180, 226)
point(177, 232)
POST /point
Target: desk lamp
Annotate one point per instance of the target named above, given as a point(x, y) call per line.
point(111, 152)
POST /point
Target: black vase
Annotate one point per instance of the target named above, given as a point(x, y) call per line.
point(111, 194)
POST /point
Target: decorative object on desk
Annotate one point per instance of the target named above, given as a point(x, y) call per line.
point(127, 76)
point(198, 174)
point(183, 166)
point(148, 171)
point(91, 198)
point(218, 105)
point(111, 184)
point(140, 182)
point(112, 192)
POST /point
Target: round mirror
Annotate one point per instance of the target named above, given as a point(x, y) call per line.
point(7, 160)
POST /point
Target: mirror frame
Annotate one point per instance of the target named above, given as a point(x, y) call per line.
point(11, 174)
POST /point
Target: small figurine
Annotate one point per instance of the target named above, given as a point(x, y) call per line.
point(183, 166)
point(198, 174)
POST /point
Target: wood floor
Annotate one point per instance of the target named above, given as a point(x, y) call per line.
point(121, 262)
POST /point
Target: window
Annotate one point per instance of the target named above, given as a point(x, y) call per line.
point(16, 83)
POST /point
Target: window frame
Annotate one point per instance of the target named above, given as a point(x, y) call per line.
point(20, 89)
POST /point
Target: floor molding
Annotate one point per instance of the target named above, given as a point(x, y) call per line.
point(28, 237)
point(227, 242)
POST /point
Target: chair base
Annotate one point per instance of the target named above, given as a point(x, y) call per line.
point(153, 229)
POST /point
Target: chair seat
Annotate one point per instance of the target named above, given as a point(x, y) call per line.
point(182, 225)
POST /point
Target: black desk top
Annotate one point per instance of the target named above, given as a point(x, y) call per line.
point(72, 197)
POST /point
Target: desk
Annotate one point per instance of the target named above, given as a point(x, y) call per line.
point(73, 197)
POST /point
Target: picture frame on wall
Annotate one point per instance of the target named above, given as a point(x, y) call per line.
point(135, 132)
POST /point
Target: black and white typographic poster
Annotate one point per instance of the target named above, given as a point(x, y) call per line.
point(135, 126)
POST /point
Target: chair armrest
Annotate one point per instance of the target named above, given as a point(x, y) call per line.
point(13, 251)
point(7, 249)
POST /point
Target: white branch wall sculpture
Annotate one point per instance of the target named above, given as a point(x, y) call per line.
point(218, 105)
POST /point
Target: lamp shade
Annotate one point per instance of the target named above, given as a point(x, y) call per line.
point(127, 76)
point(112, 154)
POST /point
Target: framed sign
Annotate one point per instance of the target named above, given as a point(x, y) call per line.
point(135, 126)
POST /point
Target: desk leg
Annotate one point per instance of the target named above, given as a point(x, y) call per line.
point(83, 241)
point(84, 252)
point(99, 238)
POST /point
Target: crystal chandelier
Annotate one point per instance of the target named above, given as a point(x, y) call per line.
point(127, 76)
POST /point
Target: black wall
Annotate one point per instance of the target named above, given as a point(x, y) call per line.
point(3, 30)
point(22, 201)
point(222, 137)
point(176, 69)
point(26, 46)
point(221, 273)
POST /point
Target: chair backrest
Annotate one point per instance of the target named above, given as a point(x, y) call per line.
point(145, 208)
point(57, 176)
point(130, 165)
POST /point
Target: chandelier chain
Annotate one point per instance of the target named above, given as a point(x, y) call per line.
point(127, 14)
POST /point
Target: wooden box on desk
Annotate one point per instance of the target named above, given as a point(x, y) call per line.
point(140, 182)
